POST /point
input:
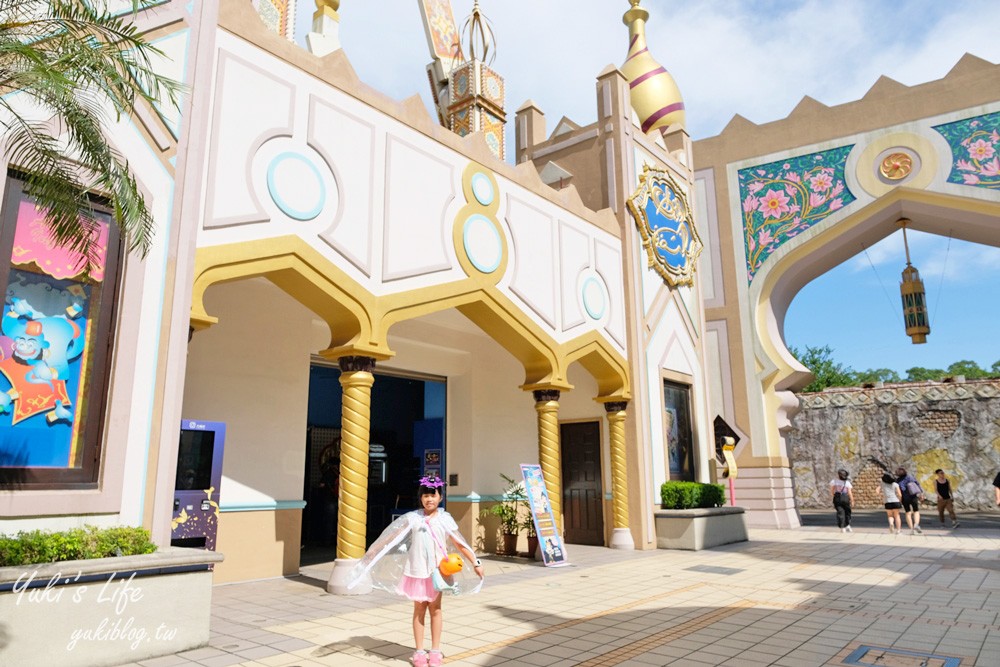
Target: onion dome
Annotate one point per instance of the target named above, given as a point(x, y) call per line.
point(655, 95)
point(479, 36)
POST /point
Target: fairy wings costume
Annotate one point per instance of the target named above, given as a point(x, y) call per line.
point(413, 545)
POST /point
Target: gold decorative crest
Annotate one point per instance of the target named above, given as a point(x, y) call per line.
point(896, 167)
point(662, 214)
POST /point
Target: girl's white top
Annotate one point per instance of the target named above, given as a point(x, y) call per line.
point(891, 492)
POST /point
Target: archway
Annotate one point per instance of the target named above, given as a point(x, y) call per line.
point(810, 255)
point(360, 326)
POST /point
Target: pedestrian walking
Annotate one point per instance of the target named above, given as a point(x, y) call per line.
point(843, 500)
point(996, 488)
point(912, 495)
point(409, 559)
point(892, 497)
point(945, 499)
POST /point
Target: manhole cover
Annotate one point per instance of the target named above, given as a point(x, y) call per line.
point(714, 569)
point(876, 656)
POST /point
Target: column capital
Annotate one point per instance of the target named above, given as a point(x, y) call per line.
point(615, 406)
point(351, 364)
point(545, 395)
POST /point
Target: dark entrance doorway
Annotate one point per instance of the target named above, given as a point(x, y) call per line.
point(583, 514)
point(407, 440)
point(677, 426)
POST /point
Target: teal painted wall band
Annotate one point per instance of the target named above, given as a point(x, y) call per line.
point(264, 506)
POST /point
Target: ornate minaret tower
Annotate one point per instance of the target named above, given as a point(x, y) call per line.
point(654, 93)
point(469, 95)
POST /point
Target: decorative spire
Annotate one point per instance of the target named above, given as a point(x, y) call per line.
point(655, 95)
point(325, 35)
point(478, 35)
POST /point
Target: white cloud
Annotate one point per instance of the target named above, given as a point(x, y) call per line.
point(756, 59)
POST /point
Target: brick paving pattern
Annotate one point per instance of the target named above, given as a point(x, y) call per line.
point(794, 598)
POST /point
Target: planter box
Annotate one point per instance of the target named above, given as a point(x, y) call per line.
point(105, 611)
point(702, 528)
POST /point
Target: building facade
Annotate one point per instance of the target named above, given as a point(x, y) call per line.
point(362, 293)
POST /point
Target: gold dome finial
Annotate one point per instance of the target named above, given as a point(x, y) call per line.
point(655, 95)
point(477, 32)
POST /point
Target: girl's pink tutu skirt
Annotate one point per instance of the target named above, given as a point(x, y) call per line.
point(418, 590)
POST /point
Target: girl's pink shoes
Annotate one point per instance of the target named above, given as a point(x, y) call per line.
point(435, 659)
point(419, 659)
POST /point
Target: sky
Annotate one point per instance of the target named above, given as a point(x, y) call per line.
point(755, 58)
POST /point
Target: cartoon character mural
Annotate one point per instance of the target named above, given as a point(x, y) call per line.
point(43, 327)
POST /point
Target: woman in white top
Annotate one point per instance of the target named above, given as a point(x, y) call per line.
point(893, 502)
point(843, 500)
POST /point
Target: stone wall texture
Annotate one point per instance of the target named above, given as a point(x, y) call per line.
point(954, 426)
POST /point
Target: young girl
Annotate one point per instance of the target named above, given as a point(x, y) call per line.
point(405, 559)
point(893, 502)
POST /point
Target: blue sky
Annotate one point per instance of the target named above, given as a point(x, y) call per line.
point(756, 59)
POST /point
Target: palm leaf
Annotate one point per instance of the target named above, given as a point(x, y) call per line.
point(78, 63)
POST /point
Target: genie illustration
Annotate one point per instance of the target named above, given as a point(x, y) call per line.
point(38, 366)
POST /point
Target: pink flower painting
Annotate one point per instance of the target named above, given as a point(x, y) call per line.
point(773, 204)
point(821, 181)
point(981, 150)
point(781, 200)
point(975, 149)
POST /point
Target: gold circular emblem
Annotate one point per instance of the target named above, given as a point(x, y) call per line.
point(896, 166)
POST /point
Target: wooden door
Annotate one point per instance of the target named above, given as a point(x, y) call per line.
point(583, 497)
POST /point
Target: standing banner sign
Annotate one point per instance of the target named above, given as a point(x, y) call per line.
point(549, 540)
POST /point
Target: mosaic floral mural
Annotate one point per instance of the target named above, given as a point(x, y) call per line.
point(975, 150)
point(782, 199)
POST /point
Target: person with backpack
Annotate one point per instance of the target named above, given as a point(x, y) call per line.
point(912, 495)
point(843, 500)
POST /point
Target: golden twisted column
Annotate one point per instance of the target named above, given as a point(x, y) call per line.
point(356, 378)
point(549, 456)
point(619, 471)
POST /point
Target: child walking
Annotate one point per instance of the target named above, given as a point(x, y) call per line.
point(406, 560)
point(893, 502)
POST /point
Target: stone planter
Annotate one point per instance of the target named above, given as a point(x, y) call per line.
point(701, 528)
point(105, 611)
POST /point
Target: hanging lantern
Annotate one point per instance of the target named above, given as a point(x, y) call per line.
point(911, 288)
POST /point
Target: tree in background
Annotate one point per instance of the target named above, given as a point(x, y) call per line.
point(827, 372)
point(75, 62)
point(871, 376)
point(921, 374)
point(969, 369)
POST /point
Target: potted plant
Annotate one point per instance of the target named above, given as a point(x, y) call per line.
point(508, 511)
point(694, 517)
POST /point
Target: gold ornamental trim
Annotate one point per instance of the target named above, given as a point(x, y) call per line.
point(662, 214)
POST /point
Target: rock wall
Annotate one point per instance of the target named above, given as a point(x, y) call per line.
point(954, 426)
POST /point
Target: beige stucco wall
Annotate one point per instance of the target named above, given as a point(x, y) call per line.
point(252, 371)
point(258, 544)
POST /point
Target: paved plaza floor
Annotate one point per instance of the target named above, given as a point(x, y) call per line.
point(811, 596)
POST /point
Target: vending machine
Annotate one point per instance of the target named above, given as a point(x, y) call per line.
point(196, 489)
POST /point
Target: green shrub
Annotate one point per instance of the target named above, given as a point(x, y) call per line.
point(686, 495)
point(38, 546)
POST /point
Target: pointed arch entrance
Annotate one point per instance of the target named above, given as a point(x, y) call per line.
point(777, 374)
point(360, 328)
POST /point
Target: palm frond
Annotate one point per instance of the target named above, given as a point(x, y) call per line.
point(82, 65)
